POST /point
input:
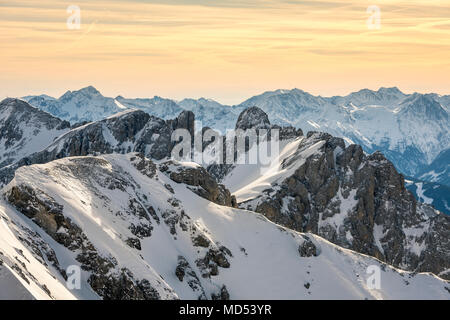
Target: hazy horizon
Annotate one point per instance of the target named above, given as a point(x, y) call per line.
point(213, 98)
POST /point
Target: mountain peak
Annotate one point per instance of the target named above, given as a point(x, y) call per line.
point(19, 105)
point(391, 90)
point(252, 118)
point(25, 129)
point(89, 90)
point(9, 101)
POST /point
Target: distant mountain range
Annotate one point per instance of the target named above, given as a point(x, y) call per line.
point(432, 193)
point(412, 130)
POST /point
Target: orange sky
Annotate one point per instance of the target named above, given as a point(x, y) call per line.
point(225, 50)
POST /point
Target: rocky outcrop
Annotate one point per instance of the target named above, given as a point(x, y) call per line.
point(188, 251)
point(200, 182)
point(144, 165)
point(252, 118)
point(129, 131)
point(104, 280)
point(184, 272)
point(308, 248)
point(256, 119)
point(251, 121)
point(107, 278)
point(123, 286)
point(185, 120)
point(359, 202)
point(25, 129)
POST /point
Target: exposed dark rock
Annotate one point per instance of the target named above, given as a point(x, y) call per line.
point(18, 117)
point(144, 165)
point(201, 241)
point(307, 248)
point(370, 198)
point(205, 185)
point(48, 214)
point(252, 118)
point(209, 264)
point(252, 121)
point(222, 295)
point(134, 243)
point(117, 134)
point(184, 272)
point(122, 287)
point(169, 187)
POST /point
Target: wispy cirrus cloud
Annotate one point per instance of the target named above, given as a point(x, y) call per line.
point(179, 47)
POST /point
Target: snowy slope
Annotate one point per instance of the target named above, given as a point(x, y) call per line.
point(439, 170)
point(249, 181)
point(25, 130)
point(156, 106)
point(23, 274)
point(16, 290)
point(184, 245)
point(354, 200)
point(430, 192)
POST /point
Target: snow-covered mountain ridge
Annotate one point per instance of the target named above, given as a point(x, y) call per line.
point(410, 129)
point(317, 184)
point(320, 185)
point(86, 104)
point(25, 130)
point(137, 234)
point(127, 131)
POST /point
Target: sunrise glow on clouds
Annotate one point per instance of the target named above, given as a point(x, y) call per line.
point(226, 50)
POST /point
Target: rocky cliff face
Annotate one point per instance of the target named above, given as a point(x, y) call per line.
point(139, 233)
point(253, 118)
point(257, 121)
point(25, 130)
point(320, 185)
point(355, 200)
point(199, 181)
point(410, 129)
point(125, 132)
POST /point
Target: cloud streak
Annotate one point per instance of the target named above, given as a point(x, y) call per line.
point(224, 49)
